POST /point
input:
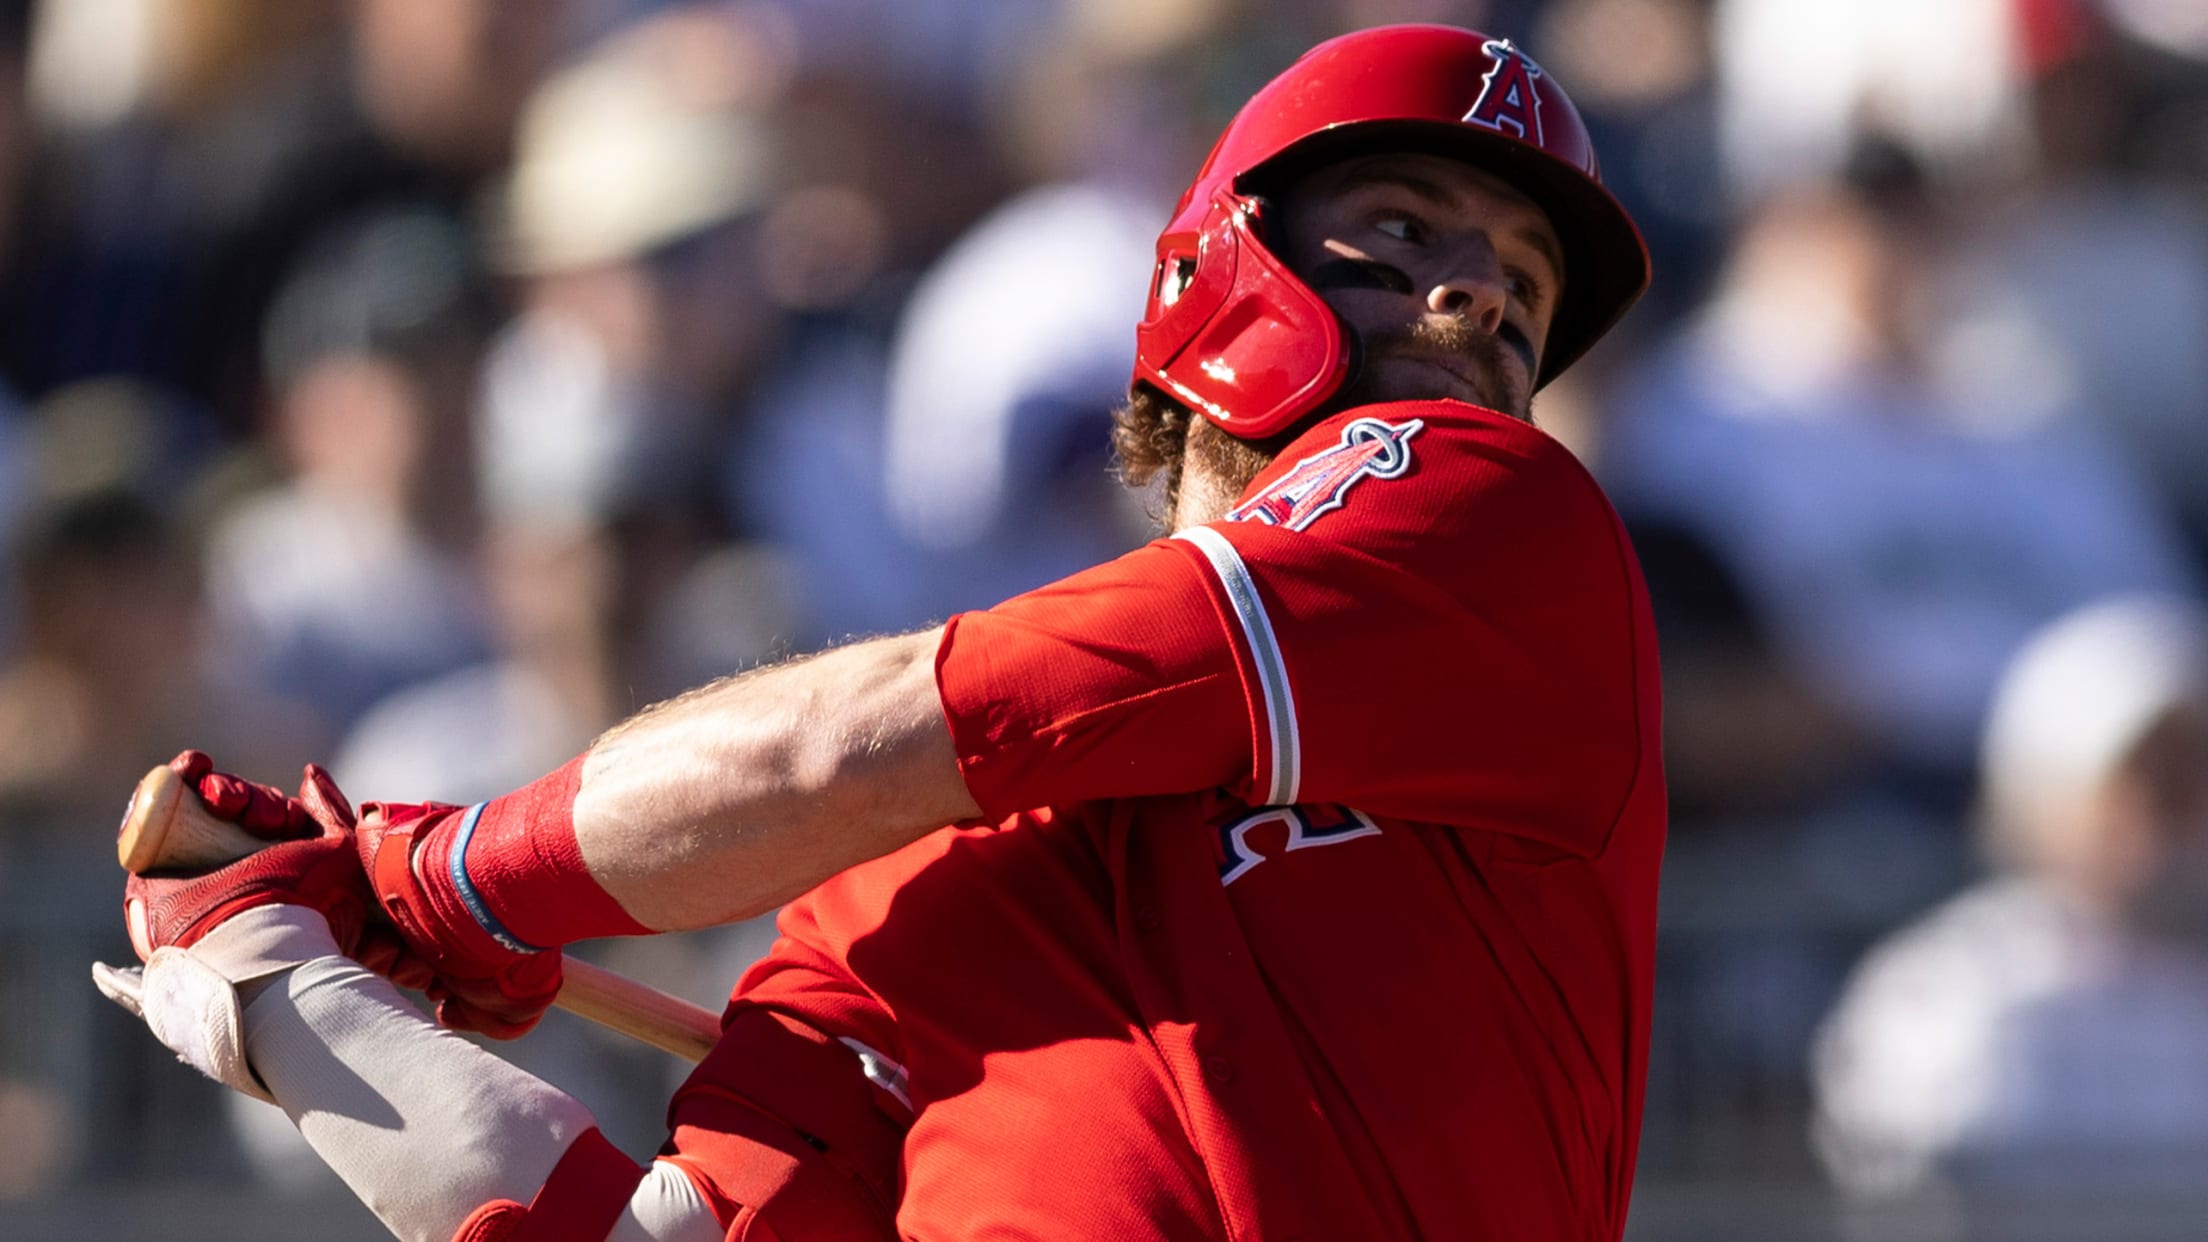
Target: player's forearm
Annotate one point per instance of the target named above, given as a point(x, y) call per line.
point(724, 803)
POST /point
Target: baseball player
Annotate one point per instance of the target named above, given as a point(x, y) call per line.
point(1300, 871)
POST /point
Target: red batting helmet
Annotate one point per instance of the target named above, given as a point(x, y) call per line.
point(1232, 332)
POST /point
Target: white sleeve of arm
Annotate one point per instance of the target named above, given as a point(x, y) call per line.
point(667, 1208)
point(423, 1126)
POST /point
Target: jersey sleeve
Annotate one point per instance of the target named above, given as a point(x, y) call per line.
point(1464, 641)
point(1116, 682)
point(1440, 622)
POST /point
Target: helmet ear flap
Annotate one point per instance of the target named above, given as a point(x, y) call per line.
point(1236, 335)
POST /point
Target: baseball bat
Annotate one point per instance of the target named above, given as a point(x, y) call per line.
point(168, 826)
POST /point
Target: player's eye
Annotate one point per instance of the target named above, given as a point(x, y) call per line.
point(1402, 228)
point(1526, 289)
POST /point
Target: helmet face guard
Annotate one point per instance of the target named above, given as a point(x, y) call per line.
point(1232, 333)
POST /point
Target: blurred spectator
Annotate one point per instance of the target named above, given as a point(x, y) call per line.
point(1801, 85)
point(629, 221)
point(1900, 522)
point(582, 639)
point(369, 348)
point(2049, 1027)
point(881, 173)
point(996, 468)
point(443, 83)
point(185, 149)
point(630, 224)
point(16, 149)
point(107, 680)
point(191, 150)
point(482, 730)
point(95, 693)
point(2091, 278)
point(1644, 76)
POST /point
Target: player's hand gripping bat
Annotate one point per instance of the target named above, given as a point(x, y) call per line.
point(168, 827)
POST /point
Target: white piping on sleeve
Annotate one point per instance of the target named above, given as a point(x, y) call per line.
point(1272, 671)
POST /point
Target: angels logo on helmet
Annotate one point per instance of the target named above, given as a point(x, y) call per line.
point(1507, 99)
point(1369, 448)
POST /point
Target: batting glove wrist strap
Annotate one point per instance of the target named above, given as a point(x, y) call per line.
point(482, 978)
point(417, 863)
point(523, 872)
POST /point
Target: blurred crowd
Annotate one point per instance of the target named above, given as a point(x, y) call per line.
point(421, 386)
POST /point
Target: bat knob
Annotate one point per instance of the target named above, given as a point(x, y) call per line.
point(146, 821)
point(167, 827)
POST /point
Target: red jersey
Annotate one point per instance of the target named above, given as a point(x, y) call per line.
point(1318, 894)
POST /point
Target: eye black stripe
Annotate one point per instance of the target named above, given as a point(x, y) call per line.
point(1357, 274)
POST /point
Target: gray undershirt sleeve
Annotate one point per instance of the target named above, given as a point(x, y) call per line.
point(423, 1126)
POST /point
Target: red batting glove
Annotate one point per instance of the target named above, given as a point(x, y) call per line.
point(313, 863)
point(481, 977)
point(263, 810)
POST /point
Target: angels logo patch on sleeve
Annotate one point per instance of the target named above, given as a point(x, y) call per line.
point(1320, 483)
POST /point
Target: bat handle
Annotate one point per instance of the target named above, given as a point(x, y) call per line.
point(167, 827)
point(637, 1010)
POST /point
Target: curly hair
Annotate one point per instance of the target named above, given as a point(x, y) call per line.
point(1150, 439)
point(1155, 437)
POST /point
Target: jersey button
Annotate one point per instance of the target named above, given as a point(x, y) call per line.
point(1218, 1069)
point(1149, 918)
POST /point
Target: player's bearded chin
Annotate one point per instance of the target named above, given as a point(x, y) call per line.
point(1217, 467)
point(1488, 372)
